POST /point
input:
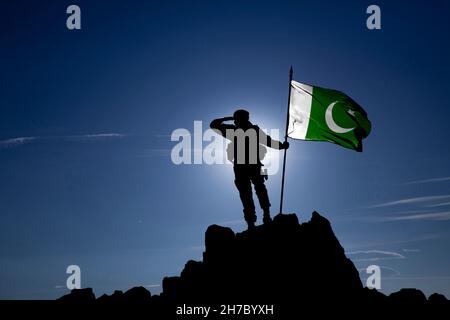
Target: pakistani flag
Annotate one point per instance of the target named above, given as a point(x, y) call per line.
point(320, 114)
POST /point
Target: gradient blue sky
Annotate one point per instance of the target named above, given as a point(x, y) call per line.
point(92, 183)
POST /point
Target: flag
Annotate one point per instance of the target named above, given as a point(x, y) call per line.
point(320, 114)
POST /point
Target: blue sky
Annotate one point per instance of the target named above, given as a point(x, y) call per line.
point(86, 176)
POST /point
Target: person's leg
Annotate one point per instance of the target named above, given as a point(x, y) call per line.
point(263, 197)
point(243, 184)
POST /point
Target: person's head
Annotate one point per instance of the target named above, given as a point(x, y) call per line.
point(241, 118)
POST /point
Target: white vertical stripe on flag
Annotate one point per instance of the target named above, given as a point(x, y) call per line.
point(299, 110)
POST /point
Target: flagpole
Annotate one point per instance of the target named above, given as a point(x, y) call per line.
point(285, 139)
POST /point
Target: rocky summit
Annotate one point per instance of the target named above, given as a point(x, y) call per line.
point(283, 261)
point(283, 269)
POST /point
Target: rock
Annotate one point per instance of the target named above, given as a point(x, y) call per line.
point(373, 297)
point(116, 297)
point(408, 296)
point(438, 299)
point(286, 220)
point(80, 296)
point(137, 295)
point(219, 243)
point(281, 261)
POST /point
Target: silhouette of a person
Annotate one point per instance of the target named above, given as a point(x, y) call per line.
point(247, 147)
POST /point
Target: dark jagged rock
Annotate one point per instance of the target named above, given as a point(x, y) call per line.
point(408, 296)
point(116, 297)
point(137, 295)
point(283, 261)
point(438, 299)
point(373, 297)
point(80, 296)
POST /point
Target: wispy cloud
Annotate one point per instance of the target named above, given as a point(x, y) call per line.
point(443, 204)
point(411, 201)
point(14, 142)
point(406, 240)
point(436, 216)
point(97, 136)
point(385, 216)
point(411, 250)
point(386, 271)
point(370, 217)
point(441, 179)
point(60, 287)
point(427, 278)
point(406, 212)
point(374, 255)
point(151, 285)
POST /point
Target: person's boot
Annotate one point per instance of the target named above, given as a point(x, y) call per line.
point(250, 217)
point(266, 217)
